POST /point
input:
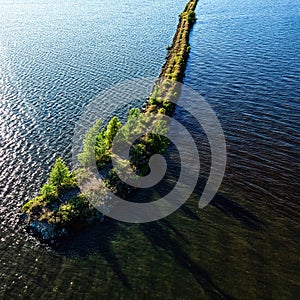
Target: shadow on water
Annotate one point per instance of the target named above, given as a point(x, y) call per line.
point(169, 225)
point(230, 208)
point(235, 210)
point(172, 246)
point(222, 203)
point(99, 238)
point(189, 213)
point(95, 239)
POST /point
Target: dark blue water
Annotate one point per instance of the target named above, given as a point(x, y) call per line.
point(245, 60)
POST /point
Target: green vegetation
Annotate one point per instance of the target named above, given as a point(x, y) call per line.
point(92, 138)
point(101, 149)
point(49, 192)
point(50, 207)
point(77, 210)
point(191, 16)
point(33, 205)
point(98, 142)
point(165, 92)
point(60, 176)
point(60, 179)
point(112, 128)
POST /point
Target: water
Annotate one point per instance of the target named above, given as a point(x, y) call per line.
point(56, 56)
point(245, 62)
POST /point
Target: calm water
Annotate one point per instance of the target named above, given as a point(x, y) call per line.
point(245, 60)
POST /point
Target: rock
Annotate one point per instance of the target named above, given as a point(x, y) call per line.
point(44, 230)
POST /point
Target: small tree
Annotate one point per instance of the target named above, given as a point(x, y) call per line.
point(102, 154)
point(112, 128)
point(60, 174)
point(87, 157)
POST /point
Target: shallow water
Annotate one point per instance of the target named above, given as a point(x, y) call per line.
point(55, 57)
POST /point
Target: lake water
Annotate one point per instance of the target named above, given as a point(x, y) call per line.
point(245, 61)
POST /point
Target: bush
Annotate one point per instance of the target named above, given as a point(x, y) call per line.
point(133, 114)
point(162, 111)
point(138, 150)
point(168, 106)
point(157, 143)
point(75, 209)
point(191, 17)
point(33, 206)
point(49, 192)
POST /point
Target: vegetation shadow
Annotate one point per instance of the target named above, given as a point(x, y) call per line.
point(95, 239)
point(159, 236)
point(231, 208)
point(235, 210)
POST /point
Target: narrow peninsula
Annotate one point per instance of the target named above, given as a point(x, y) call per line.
point(61, 208)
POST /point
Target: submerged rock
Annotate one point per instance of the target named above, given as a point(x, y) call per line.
point(45, 231)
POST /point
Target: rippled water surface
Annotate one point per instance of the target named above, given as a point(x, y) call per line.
point(245, 62)
point(55, 56)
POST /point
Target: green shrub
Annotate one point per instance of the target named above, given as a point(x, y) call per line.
point(75, 209)
point(154, 100)
point(49, 192)
point(162, 111)
point(133, 113)
point(191, 17)
point(168, 106)
point(138, 149)
point(33, 205)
